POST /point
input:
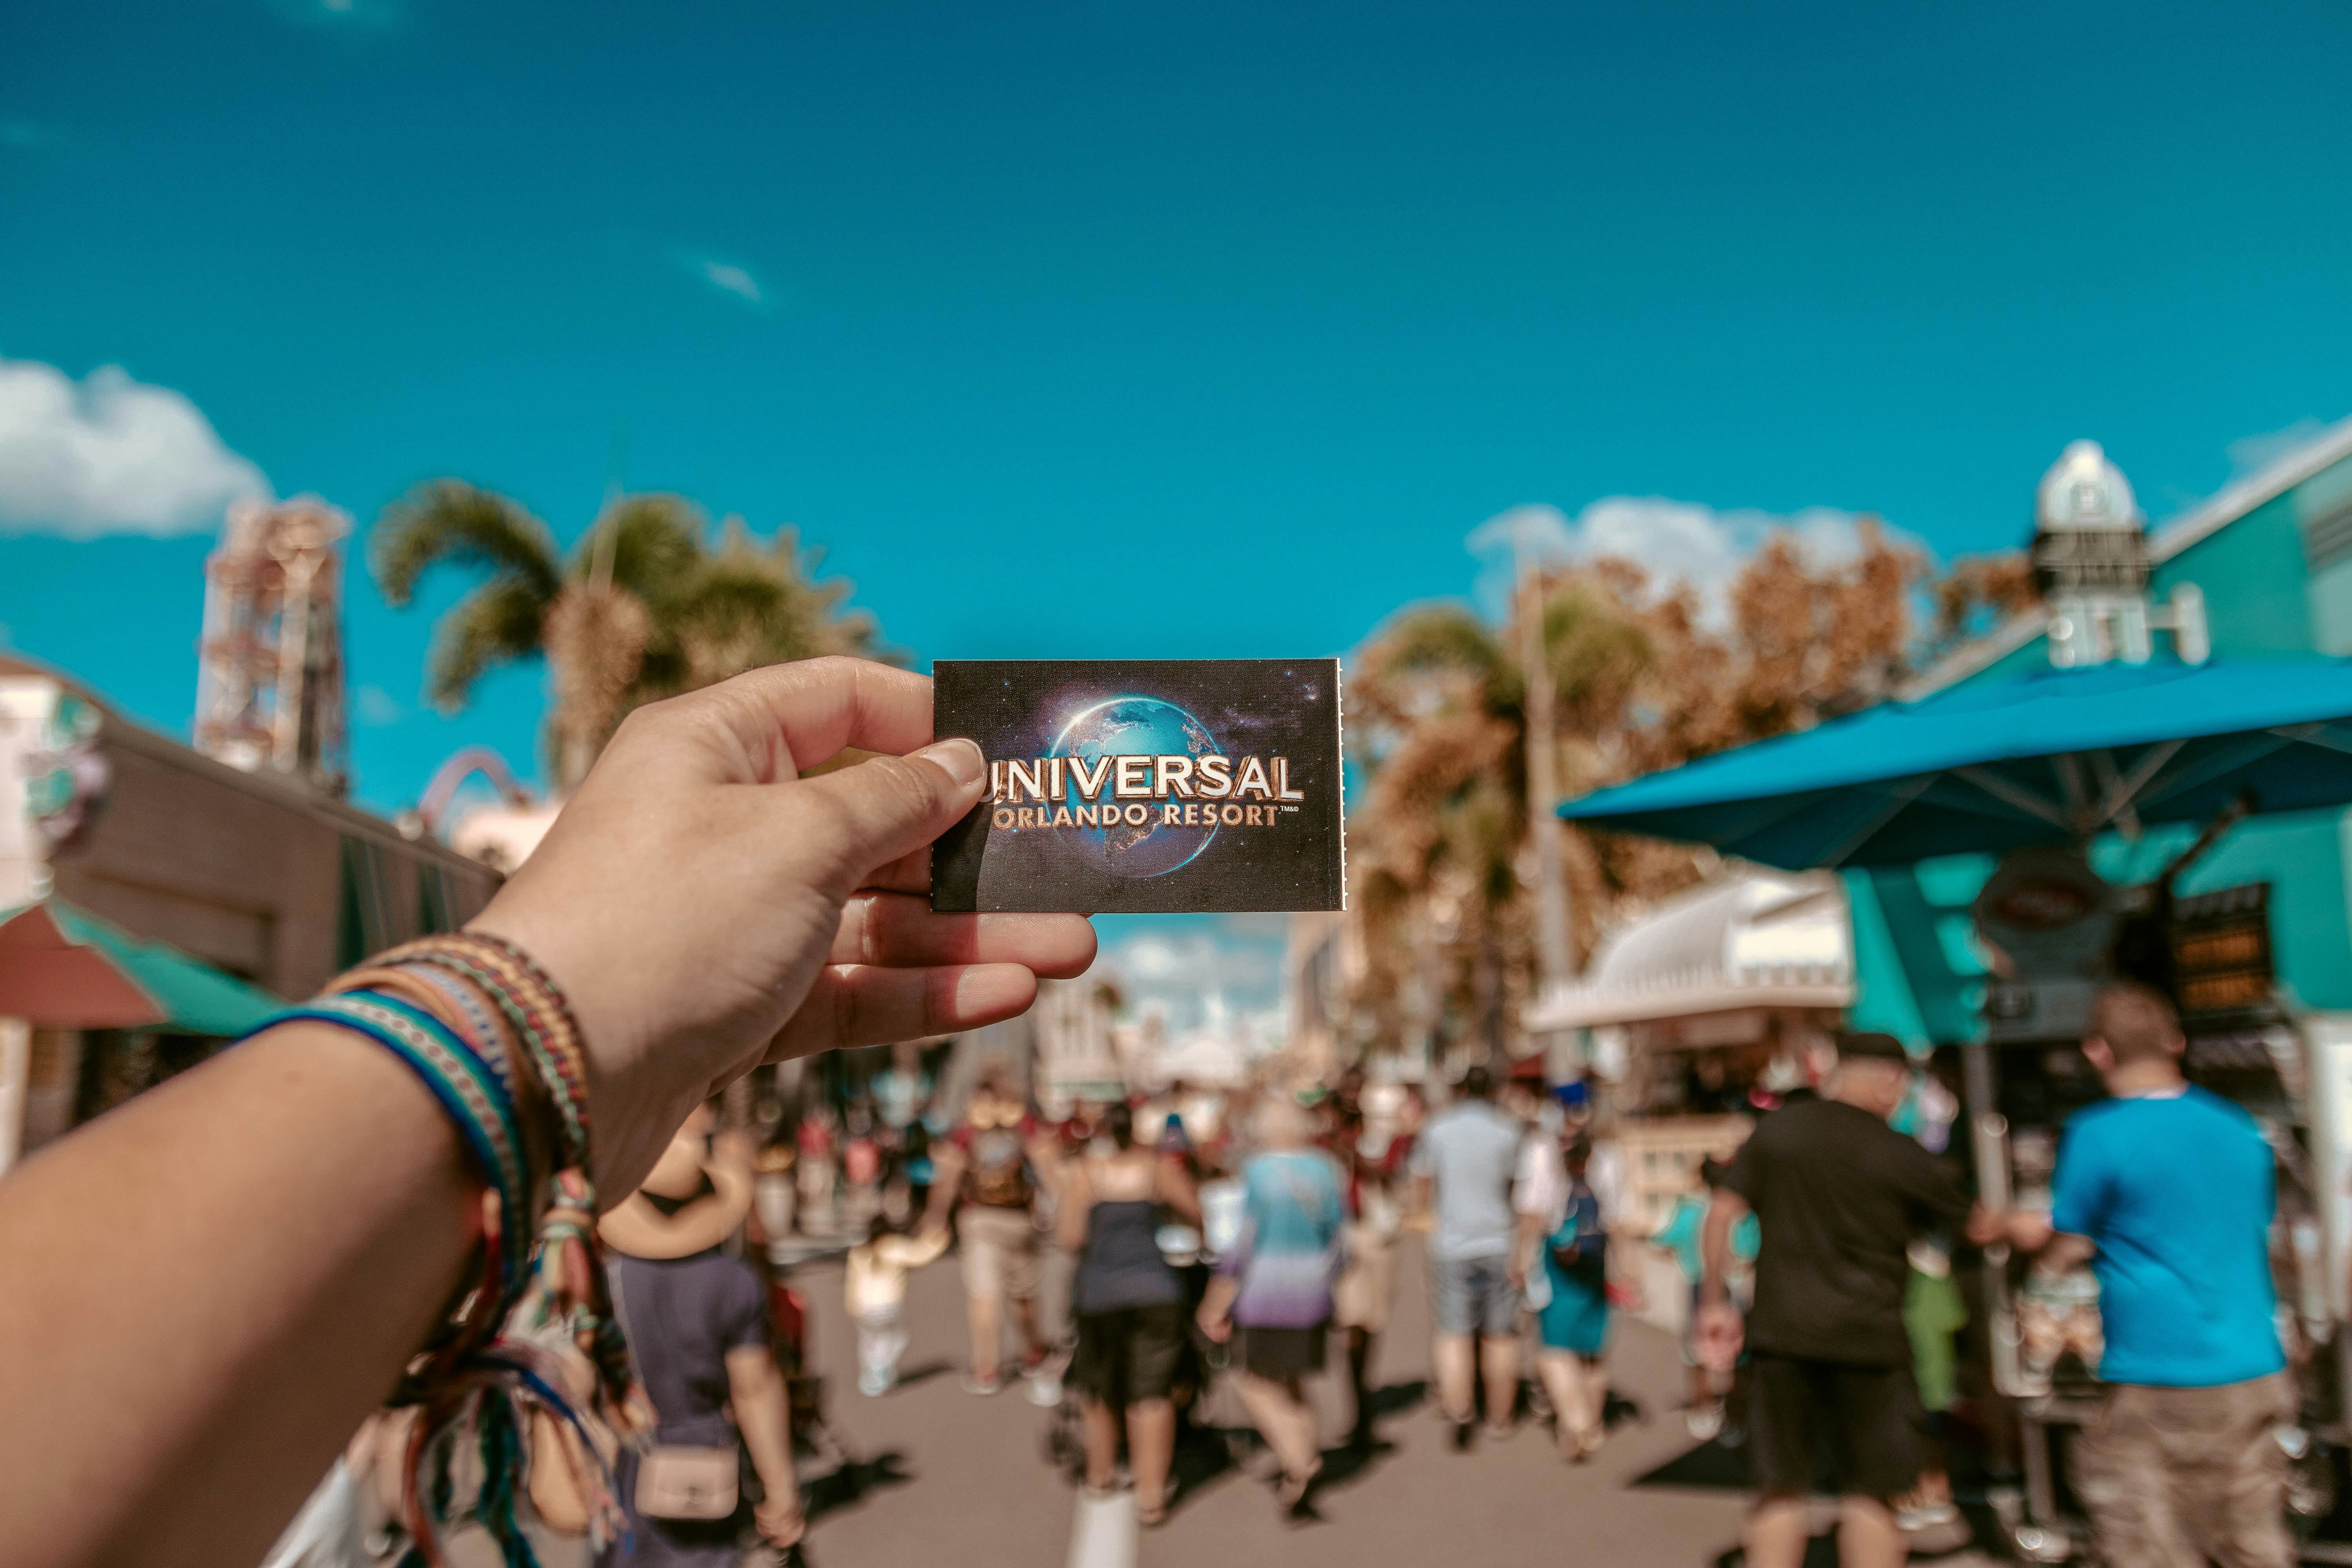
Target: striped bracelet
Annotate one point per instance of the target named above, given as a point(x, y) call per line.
point(468, 1091)
point(492, 1037)
point(535, 1010)
point(471, 1013)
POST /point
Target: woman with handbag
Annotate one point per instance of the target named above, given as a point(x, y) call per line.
point(1574, 1323)
point(1276, 1286)
point(697, 1327)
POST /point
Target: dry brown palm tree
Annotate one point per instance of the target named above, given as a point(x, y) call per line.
point(1644, 680)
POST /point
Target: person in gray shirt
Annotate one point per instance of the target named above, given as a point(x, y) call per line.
point(1463, 1164)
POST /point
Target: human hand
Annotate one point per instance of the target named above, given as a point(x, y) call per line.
point(1517, 1272)
point(706, 908)
point(777, 1517)
point(1718, 1335)
point(2029, 1231)
point(1216, 1324)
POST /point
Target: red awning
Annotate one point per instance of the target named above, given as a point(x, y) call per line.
point(48, 979)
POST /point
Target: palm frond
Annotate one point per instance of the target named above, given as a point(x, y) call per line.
point(1429, 658)
point(748, 604)
point(501, 620)
point(451, 523)
point(651, 542)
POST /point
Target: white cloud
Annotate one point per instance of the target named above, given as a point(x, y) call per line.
point(110, 454)
point(1674, 541)
point(734, 279)
point(726, 276)
point(2250, 455)
point(376, 708)
point(1190, 967)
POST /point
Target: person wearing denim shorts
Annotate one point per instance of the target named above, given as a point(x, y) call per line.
point(1463, 1164)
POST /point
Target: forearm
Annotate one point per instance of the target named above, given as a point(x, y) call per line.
point(1070, 1220)
point(947, 1180)
point(764, 1414)
point(1178, 1194)
point(219, 1280)
point(1715, 1249)
point(1530, 1233)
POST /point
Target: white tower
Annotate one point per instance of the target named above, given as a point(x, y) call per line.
point(2090, 557)
point(2091, 562)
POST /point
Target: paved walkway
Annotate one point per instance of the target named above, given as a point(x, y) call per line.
point(947, 1477)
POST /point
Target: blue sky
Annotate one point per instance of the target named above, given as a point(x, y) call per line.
point(1134, 329)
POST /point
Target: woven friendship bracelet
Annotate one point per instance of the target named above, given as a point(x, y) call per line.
point(533, 1006)
point(469, 1010)
point(466, 1090)
point(554, 1053)
point(455, 1003)
point(493, 1039)
point(566, 1040)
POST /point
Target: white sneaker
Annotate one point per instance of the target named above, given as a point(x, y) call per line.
point(1705, 1422)
point(1925, 1516)
point(1044, 1390)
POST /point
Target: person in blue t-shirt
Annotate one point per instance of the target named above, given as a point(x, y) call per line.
point(2167, 1190)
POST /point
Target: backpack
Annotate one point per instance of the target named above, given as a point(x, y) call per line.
point(1579, 1247)
point(1000, 1168)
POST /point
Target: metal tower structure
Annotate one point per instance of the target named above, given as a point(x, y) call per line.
point(269, 681)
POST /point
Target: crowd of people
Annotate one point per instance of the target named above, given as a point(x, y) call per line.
point(393, 1190)
point(1249, 1229)
point(1132, 1252)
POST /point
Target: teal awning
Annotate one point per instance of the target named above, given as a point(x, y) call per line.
point(63, 968)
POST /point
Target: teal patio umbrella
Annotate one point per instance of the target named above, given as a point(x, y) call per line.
point(2050, 757)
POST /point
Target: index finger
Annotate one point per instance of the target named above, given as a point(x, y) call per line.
point(780, 720)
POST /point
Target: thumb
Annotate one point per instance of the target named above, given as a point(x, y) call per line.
point(885, 807)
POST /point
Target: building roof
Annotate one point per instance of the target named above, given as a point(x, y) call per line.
point(1753, 938)
point(120, 730)
point(2208, 517)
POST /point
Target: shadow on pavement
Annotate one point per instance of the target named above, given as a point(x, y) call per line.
point(1206, 1452)
point(1396, 1398)
point(1616, 1410)
point(848, 1485)
point(1709, 1465)
point(923, 1374)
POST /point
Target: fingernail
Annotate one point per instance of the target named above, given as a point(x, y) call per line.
point(960, 760)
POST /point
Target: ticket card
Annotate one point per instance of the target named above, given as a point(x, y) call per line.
point(1144, 785)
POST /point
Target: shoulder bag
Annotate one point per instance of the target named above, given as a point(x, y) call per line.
point(678, 1480)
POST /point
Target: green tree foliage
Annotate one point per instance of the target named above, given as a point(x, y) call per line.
point(648, 604)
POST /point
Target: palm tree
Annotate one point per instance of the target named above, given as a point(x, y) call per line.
point(1643, 681)
point(1438, 708)
point(645, 607)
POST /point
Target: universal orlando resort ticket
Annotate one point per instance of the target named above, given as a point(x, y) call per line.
point(1157, 786)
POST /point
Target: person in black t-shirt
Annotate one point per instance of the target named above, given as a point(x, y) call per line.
point(1839, 1194)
